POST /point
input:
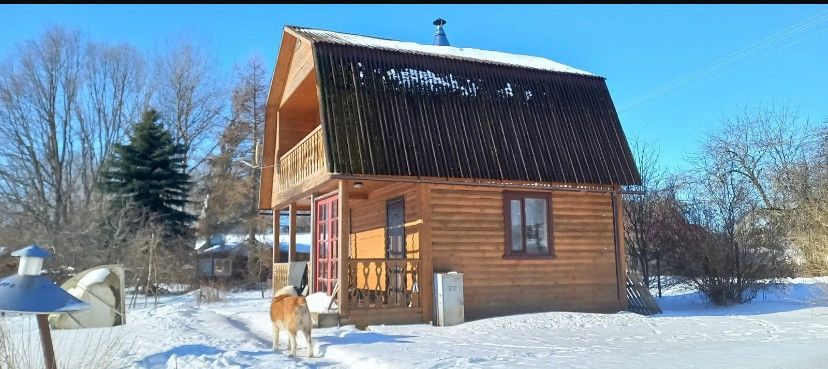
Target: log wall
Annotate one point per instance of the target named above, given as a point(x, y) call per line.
point(467, 233)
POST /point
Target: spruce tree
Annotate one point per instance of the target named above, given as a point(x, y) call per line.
point(149, 172)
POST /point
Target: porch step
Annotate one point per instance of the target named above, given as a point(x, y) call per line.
point(325, 320)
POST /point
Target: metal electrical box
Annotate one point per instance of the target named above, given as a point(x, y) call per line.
point(448, 298)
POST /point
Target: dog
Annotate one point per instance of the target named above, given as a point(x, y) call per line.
point(286, 291)
point(289, 311)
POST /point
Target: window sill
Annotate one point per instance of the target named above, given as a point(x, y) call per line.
point(529, 257)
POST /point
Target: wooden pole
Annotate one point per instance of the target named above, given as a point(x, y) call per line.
point(620, 252)
point(46, 341)
point(426, 256)
point(275, 256)
point(312, 262)
point(292, 230)
point(344, 238)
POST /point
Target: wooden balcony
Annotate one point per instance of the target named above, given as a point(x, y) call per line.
point(384, 284)
point(302, 161)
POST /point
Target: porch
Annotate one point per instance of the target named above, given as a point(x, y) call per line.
point(365, 250)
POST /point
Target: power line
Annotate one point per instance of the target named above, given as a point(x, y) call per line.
point(734, 60)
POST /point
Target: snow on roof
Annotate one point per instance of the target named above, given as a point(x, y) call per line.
point(485, 56)
point(232, 242)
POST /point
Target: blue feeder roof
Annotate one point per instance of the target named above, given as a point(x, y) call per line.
point(36, 294)
point(32, 251)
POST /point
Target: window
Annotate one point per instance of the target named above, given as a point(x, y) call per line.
point(395, 228)
point(528, 224)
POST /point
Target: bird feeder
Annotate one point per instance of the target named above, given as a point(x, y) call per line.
point(28, 292)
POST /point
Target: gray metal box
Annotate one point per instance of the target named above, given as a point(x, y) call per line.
point(448, 298)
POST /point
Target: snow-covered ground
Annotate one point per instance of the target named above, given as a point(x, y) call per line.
point(778, 330)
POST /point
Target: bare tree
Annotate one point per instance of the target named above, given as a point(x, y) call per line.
point(810, 221)
point(770, 146)
point(249, 97)
point(189, 96)
point(640, 211)
point(723, 245)
point(64, 102)
point(39, 93)
point(229, 188)
point(114, 98)
point(778, 153)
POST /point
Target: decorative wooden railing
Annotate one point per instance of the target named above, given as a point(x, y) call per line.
point(280, 275)
point(302, 161)
point(383, 283)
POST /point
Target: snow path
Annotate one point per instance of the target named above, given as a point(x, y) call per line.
point(784, 330)
point(217, 335)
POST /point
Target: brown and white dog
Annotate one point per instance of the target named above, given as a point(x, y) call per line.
point(289, 311)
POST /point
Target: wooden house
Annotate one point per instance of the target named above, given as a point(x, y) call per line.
point(415, 159)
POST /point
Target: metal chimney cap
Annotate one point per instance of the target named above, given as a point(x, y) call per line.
point(440, 38)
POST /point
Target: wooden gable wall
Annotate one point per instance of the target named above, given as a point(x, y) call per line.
point(292, 109)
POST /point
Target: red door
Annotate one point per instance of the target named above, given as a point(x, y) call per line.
point(326, 257)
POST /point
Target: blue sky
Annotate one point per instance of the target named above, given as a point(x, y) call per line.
point(636, 47)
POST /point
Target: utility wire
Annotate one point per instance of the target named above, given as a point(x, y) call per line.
point(734, 60)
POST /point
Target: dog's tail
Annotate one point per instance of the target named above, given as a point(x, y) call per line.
point(279, 298)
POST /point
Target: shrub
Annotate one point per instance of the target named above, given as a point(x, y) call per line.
point(730, 265)
point(211, 292)
point(98, 348)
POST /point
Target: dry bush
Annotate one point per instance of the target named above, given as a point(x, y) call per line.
point(99, 348)
point(211, 292)
point(811, 234)
point(159, 263)
point(723, 246)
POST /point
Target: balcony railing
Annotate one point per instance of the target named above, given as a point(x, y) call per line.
point(383, 283)
point(302, 161)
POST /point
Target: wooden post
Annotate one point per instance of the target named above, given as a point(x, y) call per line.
point(275, 248)
point(312, 262)
point(426, 259)
point(344, 236)
point(46, 341)
point(292, 230)
point(620, 252)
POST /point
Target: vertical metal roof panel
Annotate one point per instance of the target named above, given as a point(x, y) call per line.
point(395, 113)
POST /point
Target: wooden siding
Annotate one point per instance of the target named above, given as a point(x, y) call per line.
point(363, 318)
point(368, 219)
point(467, 233)
point(300, 66)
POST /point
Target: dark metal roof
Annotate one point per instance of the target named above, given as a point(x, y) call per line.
point(399, 113)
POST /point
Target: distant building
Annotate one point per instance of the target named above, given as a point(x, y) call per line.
point(225, 256)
